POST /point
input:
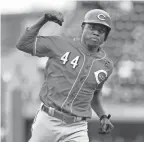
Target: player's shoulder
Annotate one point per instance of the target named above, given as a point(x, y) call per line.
point(108, 62)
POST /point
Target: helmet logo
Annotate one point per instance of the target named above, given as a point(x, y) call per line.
point(101, 17)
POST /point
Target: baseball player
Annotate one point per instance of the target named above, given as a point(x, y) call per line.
point(74, 76)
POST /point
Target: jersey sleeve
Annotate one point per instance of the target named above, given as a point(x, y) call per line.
point(108, 71)
point(41, 46)
point(109, 66)
point(45, 46)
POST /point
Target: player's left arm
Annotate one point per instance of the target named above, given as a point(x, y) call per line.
point(96, 104)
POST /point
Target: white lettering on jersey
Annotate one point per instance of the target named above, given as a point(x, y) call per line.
point(74, 62)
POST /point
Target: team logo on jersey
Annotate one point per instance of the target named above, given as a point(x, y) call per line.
point(100, 76)
point(101, 17)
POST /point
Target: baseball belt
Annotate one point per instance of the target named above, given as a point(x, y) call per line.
point(61, 115)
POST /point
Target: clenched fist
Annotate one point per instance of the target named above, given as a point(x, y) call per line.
point(54, 16)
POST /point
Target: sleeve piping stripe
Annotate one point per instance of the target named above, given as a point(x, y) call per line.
point(34, 51)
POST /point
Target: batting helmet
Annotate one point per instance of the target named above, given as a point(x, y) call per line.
point(98, 16)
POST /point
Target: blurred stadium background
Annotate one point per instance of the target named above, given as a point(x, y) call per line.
point(22, 74)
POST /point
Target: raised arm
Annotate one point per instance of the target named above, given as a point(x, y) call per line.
point(29, 39)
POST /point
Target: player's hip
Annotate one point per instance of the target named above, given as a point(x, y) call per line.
point(52, 129)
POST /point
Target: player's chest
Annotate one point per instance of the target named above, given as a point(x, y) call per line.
point(82, 68)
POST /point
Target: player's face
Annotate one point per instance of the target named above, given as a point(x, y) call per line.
point(93, 34)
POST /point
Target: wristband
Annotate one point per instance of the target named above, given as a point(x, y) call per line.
point(105, 116)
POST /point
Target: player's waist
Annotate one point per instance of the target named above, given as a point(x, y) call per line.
point(61, 114)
